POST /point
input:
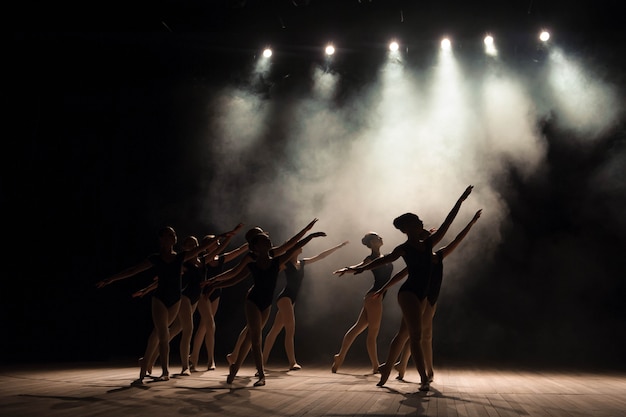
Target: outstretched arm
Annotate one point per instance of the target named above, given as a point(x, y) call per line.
point(146, 290)
point(280, 250)
point(390, 257)
point(282, 259)
point(438, 235)
point(446, 250)
point(126, 273)
point(399, 276)
point(212, 284)
point(325, 253)
point(234, 254)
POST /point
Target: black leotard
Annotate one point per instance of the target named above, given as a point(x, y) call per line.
point(193, 275)
point(212, 271)
point(169, 278)
point(294, 277)
point(381, 276)
point(262, 292)
point(418, 262)
point(436, 278)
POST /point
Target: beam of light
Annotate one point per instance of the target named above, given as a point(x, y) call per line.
point(446, 44)
point(490, 46)
point(584, 103)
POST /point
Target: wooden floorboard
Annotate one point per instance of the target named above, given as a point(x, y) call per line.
point(98, 390)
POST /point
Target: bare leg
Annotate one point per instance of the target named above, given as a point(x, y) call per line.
point(290, 332)
point(374, 312)
point(397, 344)
point(277, 326)
point(234, 355)
point(162, 317)
point(252, 340)
point(209, 338)
point(402, 364)
point(356, 329)
point(412, 311)
point(185, 320)
point(200, 334)
point(427, 338)
point(154, 354)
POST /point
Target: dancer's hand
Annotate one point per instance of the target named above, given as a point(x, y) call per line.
point(467, 192)
point(477, 216)
point(342, 271)
point(103, 283)
point(310, 225)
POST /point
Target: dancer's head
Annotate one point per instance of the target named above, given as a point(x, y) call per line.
point(372, 239)
point(408, 222)
point(167, 236)
point(260, 243)
point(189, 243)
point(252, 233)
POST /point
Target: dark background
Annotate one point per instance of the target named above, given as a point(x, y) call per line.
point(97, 91)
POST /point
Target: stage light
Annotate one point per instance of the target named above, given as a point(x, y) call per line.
point(330, 50)
point(490, 46)
point(446, 45)
point(267, 52)
point(393, 46)
point(544, 36)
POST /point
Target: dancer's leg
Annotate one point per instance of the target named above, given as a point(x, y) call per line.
point(200, 334)
point(356, 329)
point(209, 338)
point(427, 338)
point(412, 311)
point(277, 326)
point(374, 312)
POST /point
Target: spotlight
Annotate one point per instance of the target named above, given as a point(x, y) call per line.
point(490, 46)
point(446, 45)
point(330, 50)
point(267, 52)
point(393, 46)
point(544, 36)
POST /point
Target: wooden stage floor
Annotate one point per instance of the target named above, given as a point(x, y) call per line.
point(106, 390)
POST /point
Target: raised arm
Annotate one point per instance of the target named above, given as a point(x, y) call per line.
point(439, 233)
point(446, 250)
point(126, 273)
point(212, 245)
point(325, 253)
point(282, 259)
point(280, 250)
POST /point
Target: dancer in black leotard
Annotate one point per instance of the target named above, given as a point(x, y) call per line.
point(416, 252)
point(285, 316)
point(264, 269)
point(194, 272)
point(432, 295)
point(372, 310)
point(275, 251)
point(167, 266)
point(207, 307)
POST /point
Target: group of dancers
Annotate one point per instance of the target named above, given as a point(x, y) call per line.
point(192, 279)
